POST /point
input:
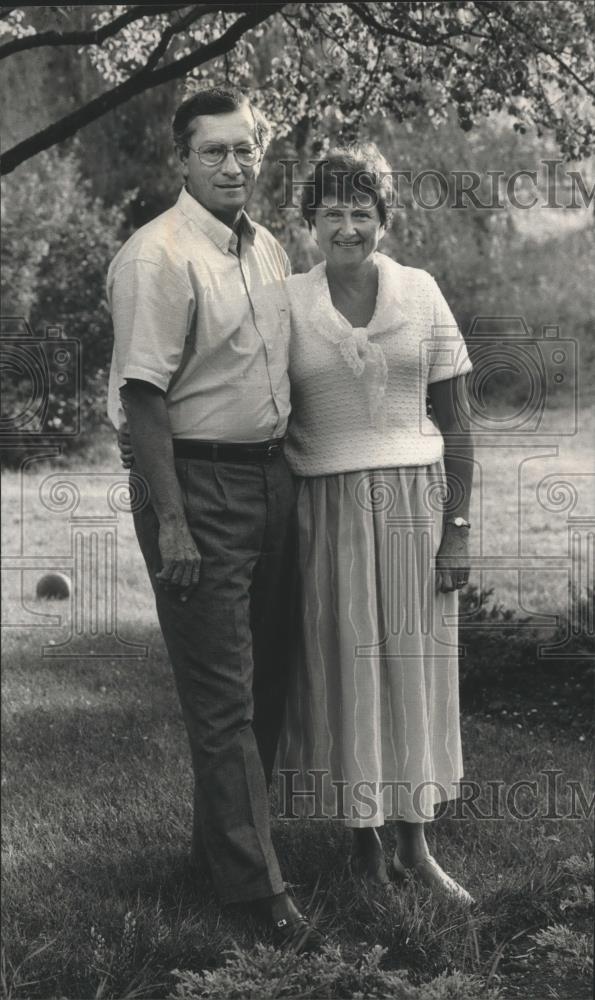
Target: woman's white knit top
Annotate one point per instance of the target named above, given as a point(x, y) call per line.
point(358, 394)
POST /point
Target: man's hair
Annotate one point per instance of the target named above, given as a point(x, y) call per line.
point(356, 170)
point(215, 100)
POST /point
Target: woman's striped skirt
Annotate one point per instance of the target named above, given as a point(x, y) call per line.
point(372, 724)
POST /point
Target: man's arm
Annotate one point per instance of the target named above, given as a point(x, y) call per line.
point(152, 447)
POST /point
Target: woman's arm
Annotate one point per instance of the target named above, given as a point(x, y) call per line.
point(450, 409)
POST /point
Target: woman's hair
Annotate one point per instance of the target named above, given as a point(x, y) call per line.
point(357, 170)
point(215, 100)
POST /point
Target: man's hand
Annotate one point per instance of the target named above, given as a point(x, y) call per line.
point(180, 559)
point(125, 446)
point(452, 560)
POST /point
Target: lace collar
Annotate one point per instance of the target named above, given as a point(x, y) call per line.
point(359, 350)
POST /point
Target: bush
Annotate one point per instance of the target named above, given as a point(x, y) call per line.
point(561, 946)
point(58, 242)
point(264, 974)
point(502, 662)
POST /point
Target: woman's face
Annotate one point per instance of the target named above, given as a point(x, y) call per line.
point(347, 232)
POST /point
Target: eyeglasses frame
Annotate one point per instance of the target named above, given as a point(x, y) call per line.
point(228, 150)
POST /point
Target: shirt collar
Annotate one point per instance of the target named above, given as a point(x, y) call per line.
point(391, 293)
point(221, 235)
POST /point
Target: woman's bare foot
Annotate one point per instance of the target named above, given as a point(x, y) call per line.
point(429, 873)
point(367, 857)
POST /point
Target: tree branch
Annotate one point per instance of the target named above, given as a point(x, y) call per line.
point(494, 36)
point(144, 79)
point(428, 37)
point(539, 46)
point(360, 9)
point(184, 22)
point(90, 36)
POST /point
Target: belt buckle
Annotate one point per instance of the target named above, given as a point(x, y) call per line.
point(272, 450)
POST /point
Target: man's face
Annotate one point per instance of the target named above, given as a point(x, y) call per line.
point(223, 189)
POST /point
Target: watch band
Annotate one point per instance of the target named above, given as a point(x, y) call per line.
point(459, 522)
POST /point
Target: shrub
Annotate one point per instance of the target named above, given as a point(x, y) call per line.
point(563, 947)
point(265, 973)
point(58, 242)
point(501, 657)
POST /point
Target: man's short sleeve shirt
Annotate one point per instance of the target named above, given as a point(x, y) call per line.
point(196, 314)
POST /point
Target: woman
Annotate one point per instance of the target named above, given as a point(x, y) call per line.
point(372, 727)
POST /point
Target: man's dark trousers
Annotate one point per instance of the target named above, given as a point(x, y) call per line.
point(228, 647)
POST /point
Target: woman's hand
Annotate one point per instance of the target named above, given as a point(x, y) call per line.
point(452, 560)
point(125, 446)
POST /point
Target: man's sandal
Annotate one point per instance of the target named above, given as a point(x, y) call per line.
point(297, 934)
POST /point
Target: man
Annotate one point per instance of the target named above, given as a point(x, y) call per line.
point(200, 361)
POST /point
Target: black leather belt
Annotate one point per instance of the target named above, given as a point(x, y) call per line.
point(220, 451)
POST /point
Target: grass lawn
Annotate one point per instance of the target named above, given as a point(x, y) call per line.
point(99, 900)
point(98, 897)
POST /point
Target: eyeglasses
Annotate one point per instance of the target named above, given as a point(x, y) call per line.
point(213, 153)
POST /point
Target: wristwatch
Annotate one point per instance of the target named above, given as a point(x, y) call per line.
point(459, 522)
